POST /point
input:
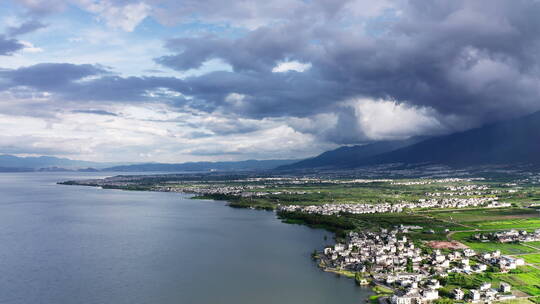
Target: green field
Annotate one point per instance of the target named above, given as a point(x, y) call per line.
point(505, 248)
point(390, 220)
point(532, 258)
point(491, 220)
point(478, 215)
point(517, 301)
point(528, 281)
point(534, 244)
point(527, 223)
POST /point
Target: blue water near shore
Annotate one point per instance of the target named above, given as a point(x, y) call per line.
point(73, 244)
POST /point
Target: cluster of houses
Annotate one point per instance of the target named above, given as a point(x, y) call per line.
point(485, 293)
point(243, 190)
point(431, 181)
point(416, 295)
point(310, 180)
point(333, 209)
point(503, 262)
point(509, 236)
point(456, 202)
point(467, 188)
point(285, 180)
point(249, 190)
point(391, 260)
point(412, 183)
point(469, 193)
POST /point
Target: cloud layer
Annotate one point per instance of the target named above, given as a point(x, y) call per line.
point(323, 73)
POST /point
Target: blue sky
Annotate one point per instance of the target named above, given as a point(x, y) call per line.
point(175, 81)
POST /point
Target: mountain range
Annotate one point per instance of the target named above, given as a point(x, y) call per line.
point(11, 163)
point(515, 141)
point(343, 157)
point(246, 165)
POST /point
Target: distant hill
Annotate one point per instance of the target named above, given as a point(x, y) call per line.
point(10, 163)
point(345, 156)
point(15, 169)
point(246, 165)
point(28, 163)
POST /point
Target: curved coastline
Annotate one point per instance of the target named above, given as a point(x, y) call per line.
point(374, 291)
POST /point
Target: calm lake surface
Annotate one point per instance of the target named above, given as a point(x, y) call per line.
point(82, 245)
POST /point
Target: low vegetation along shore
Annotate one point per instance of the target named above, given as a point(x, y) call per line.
point(414, 240)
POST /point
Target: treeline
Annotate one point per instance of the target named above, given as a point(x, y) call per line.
point(239, 202)
point(333, 223)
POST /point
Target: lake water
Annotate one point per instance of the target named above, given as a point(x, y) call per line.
point(82, 245)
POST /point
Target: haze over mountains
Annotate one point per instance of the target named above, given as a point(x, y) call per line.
point(246, 165)
point(344, 157)
point(10, 163)
point(515, 141)
point(508, 142)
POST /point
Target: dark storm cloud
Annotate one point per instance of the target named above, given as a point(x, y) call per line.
point(8, 46)
point(478, 59)
point(266, 94)
point(25, 28)
point(257, 51)
point(86, 82)
point(50, 76)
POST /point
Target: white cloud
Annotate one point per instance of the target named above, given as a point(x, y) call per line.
point(286, 66)
point(387, 119)
point(30, 48)
point(125, 17)
point(235, 98)
point(162, 93)
point(146, 132)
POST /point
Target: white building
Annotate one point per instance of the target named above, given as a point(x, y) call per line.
point(475, 295)
point(458, 294)
point(485, 286)
point(430, 294)
point(505, 287)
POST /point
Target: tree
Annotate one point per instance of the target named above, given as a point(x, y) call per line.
point(409, 265)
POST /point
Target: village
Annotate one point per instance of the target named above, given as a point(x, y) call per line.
point(333, 209)
point(389, 259)
point(509, 236)
point(242, 191)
